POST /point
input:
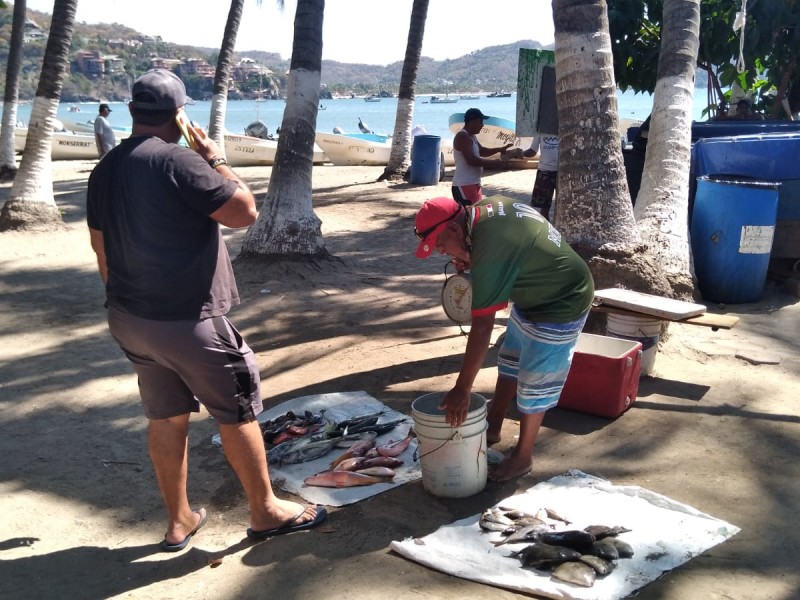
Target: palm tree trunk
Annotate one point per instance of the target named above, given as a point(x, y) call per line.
point(593, 207)
point(286, 223)
point(31, 204)
point(222, 76)
point(8, 162)
point(662, 206)
point(401, 140)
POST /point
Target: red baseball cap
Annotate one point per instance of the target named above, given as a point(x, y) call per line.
point(431, 220)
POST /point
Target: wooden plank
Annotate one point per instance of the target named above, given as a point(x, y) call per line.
point(706, 320)
point(649, 304)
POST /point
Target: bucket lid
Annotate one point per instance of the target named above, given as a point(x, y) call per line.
point(429, 404)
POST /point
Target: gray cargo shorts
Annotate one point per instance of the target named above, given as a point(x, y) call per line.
point(182, 364)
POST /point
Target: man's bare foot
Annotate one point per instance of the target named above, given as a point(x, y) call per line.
point(511, 468)
point(492, 438)
point(282, 512)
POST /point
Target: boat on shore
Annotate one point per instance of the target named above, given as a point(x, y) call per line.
point(248, 151)
point(347, 149)
point(66, 145)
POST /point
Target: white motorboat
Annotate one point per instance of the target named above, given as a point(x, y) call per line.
point(444, 99)
point(244, 150)
point(355, 148)
point(66, 145)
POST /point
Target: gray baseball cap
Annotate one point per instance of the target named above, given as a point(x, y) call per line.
point(159, 89)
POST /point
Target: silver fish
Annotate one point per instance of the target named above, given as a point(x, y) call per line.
point(378, 472)
point(495, 516)
point(600, 566)
point(526, 534)
point(576, 573)
point(551, 514)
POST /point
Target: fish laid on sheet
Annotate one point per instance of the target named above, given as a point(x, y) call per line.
point(342, 479)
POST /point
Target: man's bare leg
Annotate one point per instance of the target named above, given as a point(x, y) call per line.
point(520, 460)
point(244, 449)
point(167, 445)
point(505, 391)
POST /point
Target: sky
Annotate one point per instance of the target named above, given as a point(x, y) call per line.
point(354, 31)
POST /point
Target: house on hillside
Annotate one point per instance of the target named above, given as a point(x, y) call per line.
point(33, 32)
point(91, 63)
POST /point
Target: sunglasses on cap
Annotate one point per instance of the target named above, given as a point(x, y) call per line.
point(421, 235)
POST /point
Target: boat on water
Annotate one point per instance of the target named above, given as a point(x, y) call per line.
point(470, 97)
point(372, 98)
point(499, 94)
point(444, 99)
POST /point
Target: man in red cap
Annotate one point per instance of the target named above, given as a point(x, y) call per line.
point(514, 255)
point(467, 154)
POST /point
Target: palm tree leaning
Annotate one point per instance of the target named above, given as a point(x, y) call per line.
point(594, 209)
point(401, 140)
point(31, 204)
point(286, 223)
point(8, 162)
point(662, 206)
point(222, 76)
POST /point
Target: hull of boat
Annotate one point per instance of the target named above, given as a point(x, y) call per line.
point(355, 149)
point(66, 145)
point(495, 132)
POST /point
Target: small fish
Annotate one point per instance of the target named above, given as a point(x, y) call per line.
point(350, 464)
point(357, 450)
point(384, 472)
point(540, 555)
point(382, 461)
point(575, 539)
point(600, 566)
point(381, 428)
point(576, 573)
point(603, 531)
point(624, 549)
point(551, 514)
point(526, 534)
point(341, 479)
point(394, 449)
point(496, 516)
point(516, 514)
point(604, 549)
point(492, 526)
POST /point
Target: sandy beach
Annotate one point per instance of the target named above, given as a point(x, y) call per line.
point(713, 427)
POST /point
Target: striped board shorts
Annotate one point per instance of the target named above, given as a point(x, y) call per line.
point(467, 195)
point(538, 356)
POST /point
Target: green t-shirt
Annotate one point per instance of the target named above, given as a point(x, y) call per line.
point(518, 256)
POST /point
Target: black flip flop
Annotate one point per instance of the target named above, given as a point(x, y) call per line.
point(167, 547)
point(287, 527)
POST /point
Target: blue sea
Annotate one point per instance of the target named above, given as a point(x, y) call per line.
point(345, 113)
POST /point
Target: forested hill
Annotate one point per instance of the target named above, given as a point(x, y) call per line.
point(488, 69)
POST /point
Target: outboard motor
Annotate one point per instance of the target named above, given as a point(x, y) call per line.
point(257, 129)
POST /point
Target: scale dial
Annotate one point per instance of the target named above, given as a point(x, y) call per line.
point(457, 298)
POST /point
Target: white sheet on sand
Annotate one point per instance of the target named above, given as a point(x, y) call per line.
point(338, 407)
point(665, 534)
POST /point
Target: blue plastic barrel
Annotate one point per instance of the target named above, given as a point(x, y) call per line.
point(425, 160)
point(733, 223)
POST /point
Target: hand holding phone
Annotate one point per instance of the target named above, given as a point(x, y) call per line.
point(182, 120)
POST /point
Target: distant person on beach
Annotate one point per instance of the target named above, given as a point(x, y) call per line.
point(514, 256)
point(544, 187)
point(467, 154)
point(154, 209)
point(103, 132)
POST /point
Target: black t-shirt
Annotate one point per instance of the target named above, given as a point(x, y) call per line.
point(166, 257)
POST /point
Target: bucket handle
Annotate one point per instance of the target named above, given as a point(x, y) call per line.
point(455, 437)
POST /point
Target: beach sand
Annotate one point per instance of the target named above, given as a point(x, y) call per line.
point(81, 515)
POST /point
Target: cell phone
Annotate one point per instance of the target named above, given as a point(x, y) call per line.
point(182, 120)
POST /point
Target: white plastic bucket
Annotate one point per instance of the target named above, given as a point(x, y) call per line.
point(453, 459)
point(646, 331)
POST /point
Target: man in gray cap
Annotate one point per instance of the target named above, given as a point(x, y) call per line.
point(103, 133)
point(468, 155)
point(153, 210)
